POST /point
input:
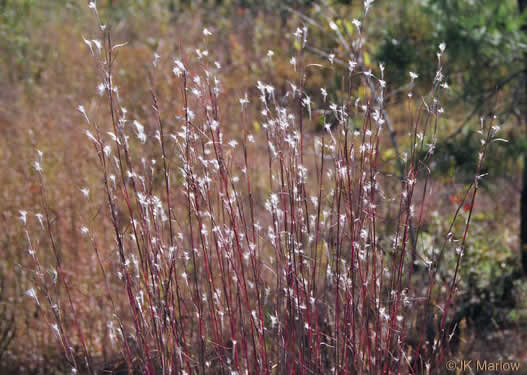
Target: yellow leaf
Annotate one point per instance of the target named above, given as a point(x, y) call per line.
point(388, 154)
point(366, 58)
point(349, 27)
point(298, 47)
point(363, 92)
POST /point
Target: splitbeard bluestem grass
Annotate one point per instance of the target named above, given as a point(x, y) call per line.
point(264, 249)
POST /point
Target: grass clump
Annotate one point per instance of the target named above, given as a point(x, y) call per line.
point(243, 241)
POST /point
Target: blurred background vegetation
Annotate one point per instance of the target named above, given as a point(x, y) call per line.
point(45, 72)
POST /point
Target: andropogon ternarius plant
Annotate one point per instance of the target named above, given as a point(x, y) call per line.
point(271, 251)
